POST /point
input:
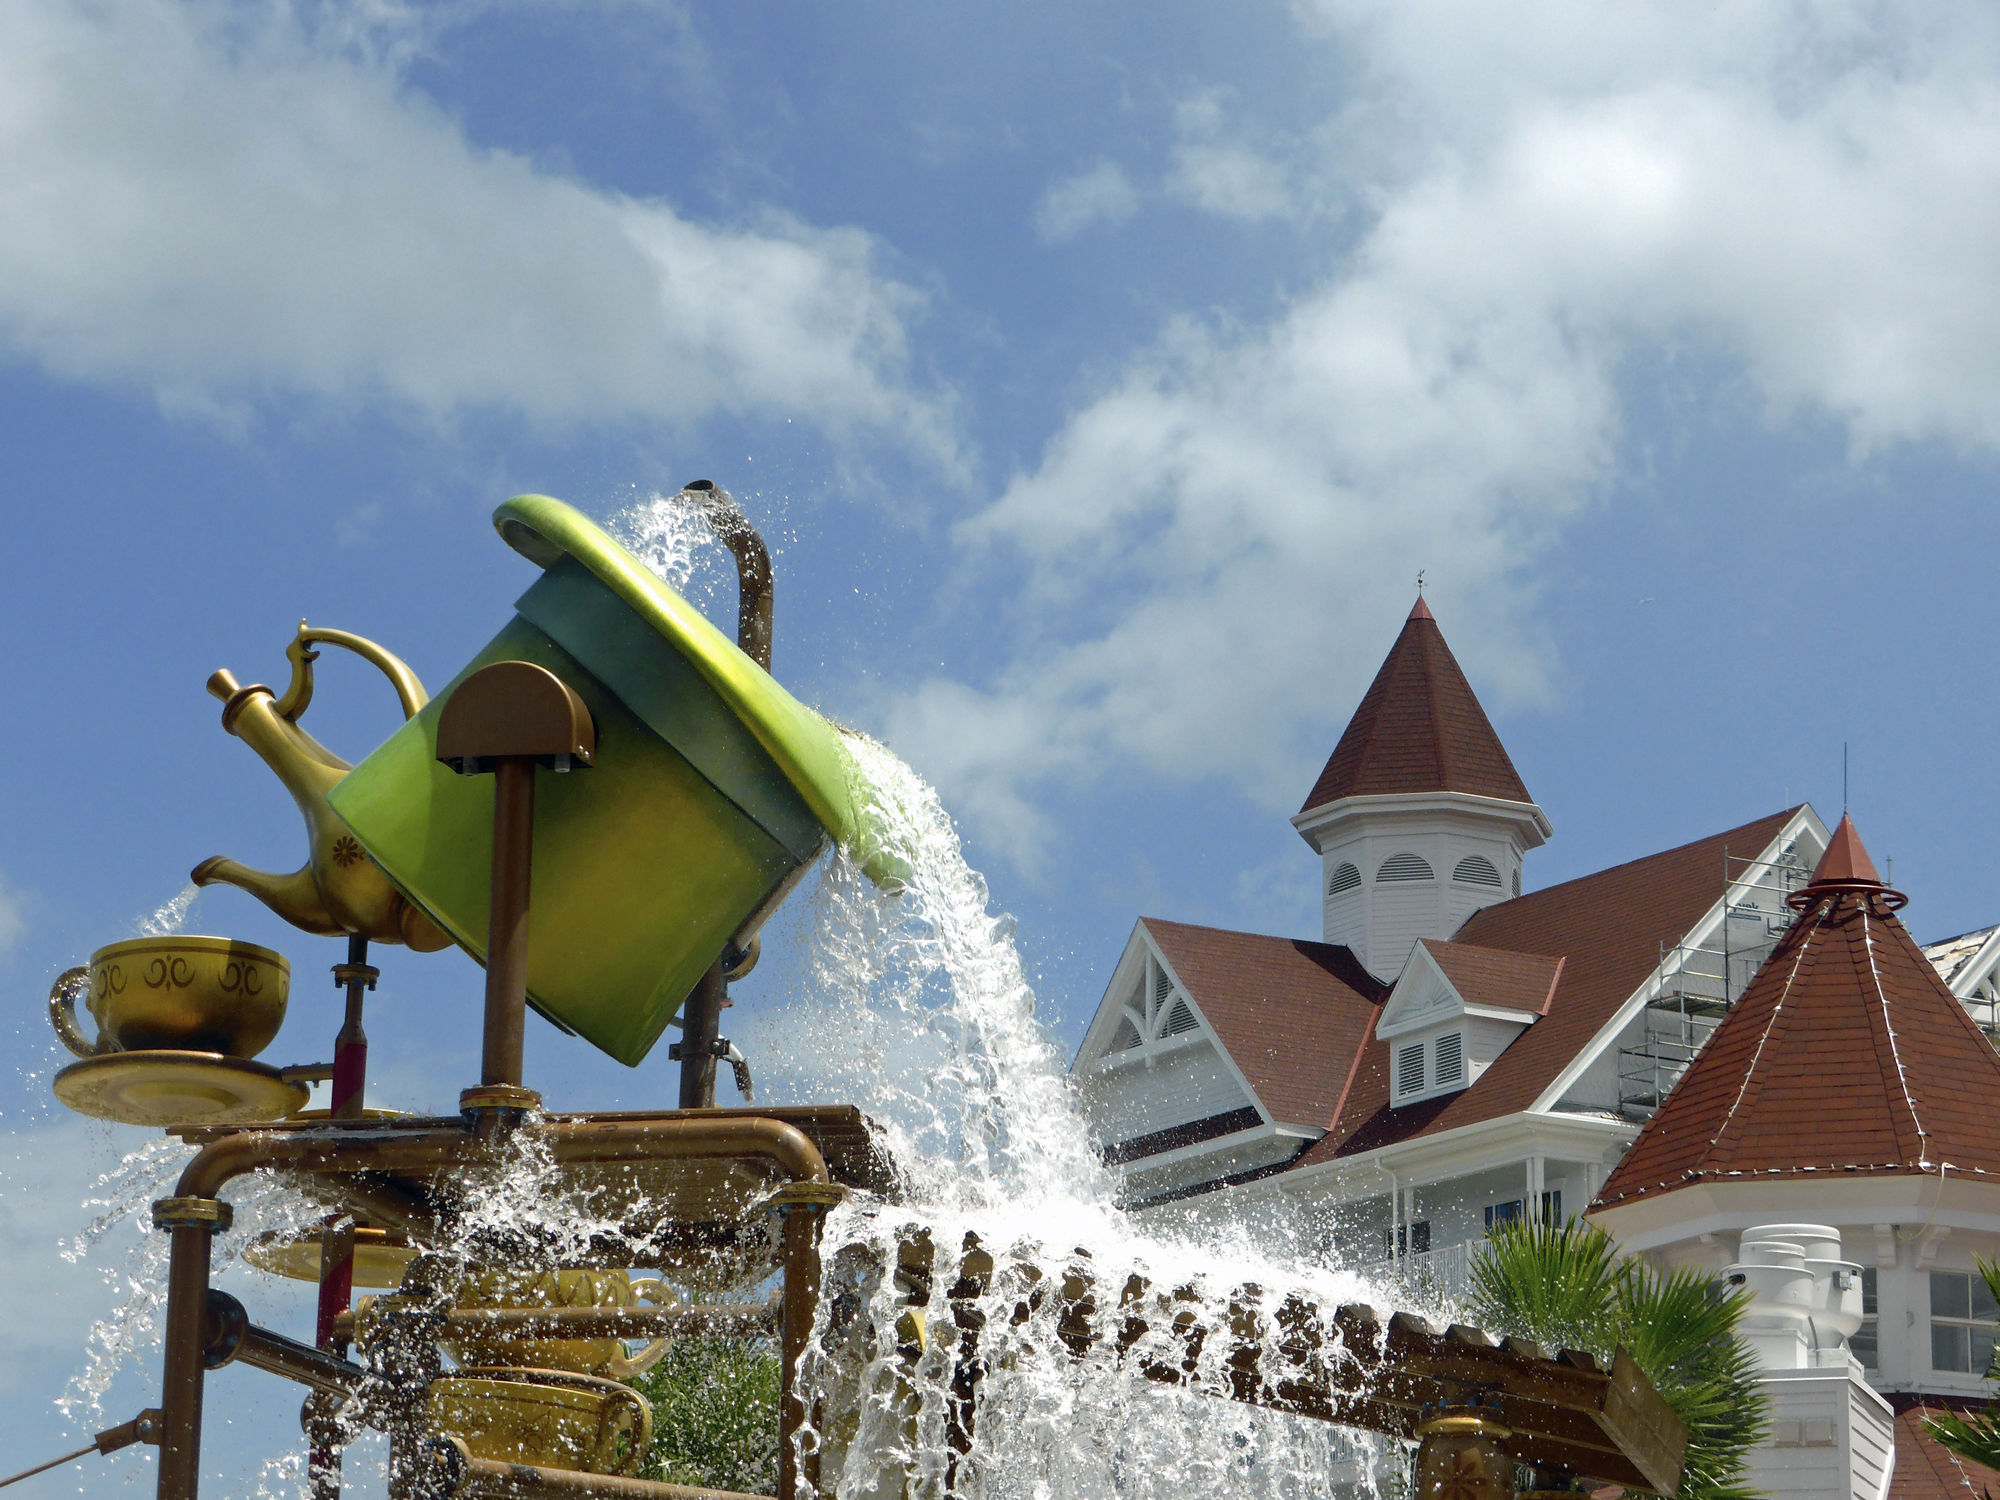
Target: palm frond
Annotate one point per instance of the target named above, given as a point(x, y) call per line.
point(1554, 1283)
point(1978, 1440)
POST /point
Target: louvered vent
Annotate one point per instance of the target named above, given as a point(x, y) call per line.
point(1162, 987)
point(1126, 1038)
point(1404, 867)
point(1517, 882)
point(1476, 869)
point(1410, 1069)
point(1179, 1020)
point(1345, 878)
point(1450, 1058)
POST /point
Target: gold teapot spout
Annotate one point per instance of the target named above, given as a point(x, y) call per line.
point(339, 890)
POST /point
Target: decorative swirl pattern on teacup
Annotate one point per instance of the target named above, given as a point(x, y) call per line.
point(246, 977)
point(108, 979)
point(169, 972)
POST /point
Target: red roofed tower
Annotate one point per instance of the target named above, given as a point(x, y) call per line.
point(1420, 818)
point(1846, 1058)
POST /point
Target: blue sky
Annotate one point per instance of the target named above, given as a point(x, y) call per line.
point(1103, 375)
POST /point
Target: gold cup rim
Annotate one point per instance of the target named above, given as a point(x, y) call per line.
point(193, 942)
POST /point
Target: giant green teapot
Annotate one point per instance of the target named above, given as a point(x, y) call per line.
point(713, 790)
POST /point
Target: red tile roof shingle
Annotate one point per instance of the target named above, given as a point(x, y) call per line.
point(1419, 729)
point(1299, 1018)
point(1925, 1468)
point(1291, 1014)
point(1846, 1054)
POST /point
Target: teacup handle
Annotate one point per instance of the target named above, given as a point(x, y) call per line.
point(624, 1367)
point(63, 995)
point(641, 1430)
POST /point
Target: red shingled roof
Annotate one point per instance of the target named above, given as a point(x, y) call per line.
point(1497, 977)
point(1299, 1018)
point(1925, 1468)
point(1845, 1054)
point(1292, 1014)
point(1419, 729)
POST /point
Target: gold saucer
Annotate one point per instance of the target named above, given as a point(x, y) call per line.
point(177, 1088)
point(380, 1258)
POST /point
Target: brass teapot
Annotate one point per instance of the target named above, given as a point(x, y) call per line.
point(340, 890)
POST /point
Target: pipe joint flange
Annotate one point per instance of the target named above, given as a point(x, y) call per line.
point(362, 974)
point(505, 1097)
point(444, 1468)
point(817, 1197)
point(211, 1214)
point(1480, 1418)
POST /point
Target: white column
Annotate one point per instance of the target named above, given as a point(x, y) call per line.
point(1534, 1205)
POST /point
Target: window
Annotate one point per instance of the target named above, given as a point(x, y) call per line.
point(1450, 1058)
point(1476, 869)
point(1345, 878)
point(1506, 1213)
point(1411, 1239)
point(1865, 1343)
point(1404, 867)
point(1410, 1069)
point(1179, 1020)
point(1964, 1319)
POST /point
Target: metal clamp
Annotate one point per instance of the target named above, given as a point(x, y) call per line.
point(714, 1047)
point(506, 1096)
point(193, 1213)
point(816, 1196)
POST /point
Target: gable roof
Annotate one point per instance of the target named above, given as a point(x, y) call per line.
point(1607, 928)
point(1925, 1468)
point(1846, 1053)
point(1292, 1014)
point(1498, 977)
point(1419, 729)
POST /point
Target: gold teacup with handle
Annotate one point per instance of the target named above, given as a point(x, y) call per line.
point(179, 993)
point(179, 1022)
point(548, 1418)
point(568, 1287)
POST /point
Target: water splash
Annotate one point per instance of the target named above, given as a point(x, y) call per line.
point(664, 532)
point(171, 915)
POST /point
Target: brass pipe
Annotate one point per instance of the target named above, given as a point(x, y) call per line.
point(454, 1474)
point(596, 1141)
point(753, 567)
point(181, 1378)
point(698, 1321)
point(701, 1028)
point(229, 1338)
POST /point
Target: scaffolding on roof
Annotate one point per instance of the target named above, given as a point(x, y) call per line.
point(1704, 975)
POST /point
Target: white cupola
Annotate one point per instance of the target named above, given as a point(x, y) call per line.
point(1420, 818)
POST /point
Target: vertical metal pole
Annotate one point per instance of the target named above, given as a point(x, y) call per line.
point(181, 1379)
point(507, 925)
point(336, 1246)
point(801, 1248)
point(701, 1024)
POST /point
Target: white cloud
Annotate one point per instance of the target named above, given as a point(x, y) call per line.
point(1222, 540)
point(1101, 194)
point(215, 202)
point(1222, 175)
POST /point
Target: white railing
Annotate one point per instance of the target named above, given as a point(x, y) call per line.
point(1430, 1279)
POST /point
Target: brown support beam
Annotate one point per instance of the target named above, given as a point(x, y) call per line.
point(452, 1473)
point(190, 1221)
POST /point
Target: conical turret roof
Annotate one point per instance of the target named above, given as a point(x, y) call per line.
point(1846, 1055)
point(1419, 729)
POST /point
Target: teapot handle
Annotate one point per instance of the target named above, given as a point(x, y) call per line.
point(63, 994)
point(299, 692)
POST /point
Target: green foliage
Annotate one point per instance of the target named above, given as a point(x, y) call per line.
point(715, 1415)
point(1562, 1285)
point(1978, 1439)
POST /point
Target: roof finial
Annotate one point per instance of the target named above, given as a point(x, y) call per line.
point(1422, 611)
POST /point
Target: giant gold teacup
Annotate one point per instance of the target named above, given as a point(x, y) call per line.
point(547, 1418)
point(178, 993)
point(566, 1287)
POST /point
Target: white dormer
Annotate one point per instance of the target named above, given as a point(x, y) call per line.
point(1443, 1034)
